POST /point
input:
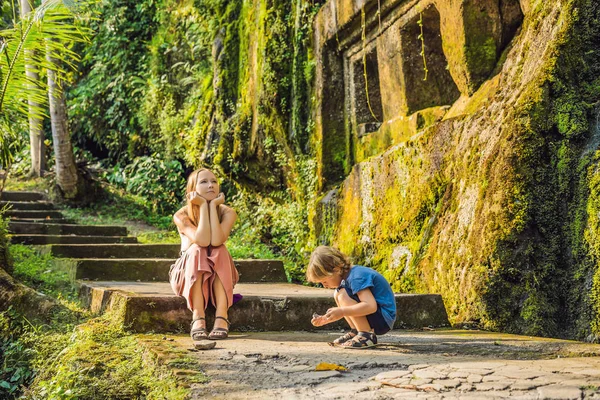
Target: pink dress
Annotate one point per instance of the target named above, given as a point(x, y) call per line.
point(205, 263)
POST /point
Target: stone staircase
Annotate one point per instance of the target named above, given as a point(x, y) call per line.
point(116, 273)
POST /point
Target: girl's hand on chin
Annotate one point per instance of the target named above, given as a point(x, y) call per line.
point(220, 199)
point(195, 198)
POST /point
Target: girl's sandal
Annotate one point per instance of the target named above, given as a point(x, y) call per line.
point(343, 339)
point(220, 333)
point(198, 333)
point(363, 340)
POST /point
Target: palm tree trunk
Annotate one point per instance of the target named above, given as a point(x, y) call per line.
point(36, 136)
point(66, 171)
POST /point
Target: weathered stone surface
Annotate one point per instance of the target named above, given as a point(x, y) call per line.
point(404, 88)
point(113, 251)
point(152, 306)
point(36, 214)
point(559, 392)
point(524, 385)
point(429, 374)
point(65, 229)
point(474, 378)
point(485, 386)
point(27, 205)
point(389, 375)
point(293, 369)
point(60, 220)
point(319, 375)
point(22, 196)
point(70, 239)
point(448, 383)
point(472, 35)
point(157, 269)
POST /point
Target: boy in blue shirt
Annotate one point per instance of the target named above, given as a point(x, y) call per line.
point(364, 297)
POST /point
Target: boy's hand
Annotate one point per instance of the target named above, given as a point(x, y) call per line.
point(318, 320)
point(334, 314)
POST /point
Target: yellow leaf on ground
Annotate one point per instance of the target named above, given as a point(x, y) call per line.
point(330, 367)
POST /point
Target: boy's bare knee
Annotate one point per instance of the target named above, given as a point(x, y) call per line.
point(344, 299)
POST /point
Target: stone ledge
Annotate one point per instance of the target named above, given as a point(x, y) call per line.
point(39, 214)
point(113, 251)
point(69, 239)
point(28, 205)
point(22, 196)
point(157, 269)
point(44, 228)
point(265, 307)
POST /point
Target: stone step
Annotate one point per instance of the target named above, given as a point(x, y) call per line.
point(158, 269)
point(42, 220)
point(65, 229)
point(147, 270)
point(151, 306)
point(28, 205)
point(22, 196)
point(113, 250)
point(69, 239)
point(36, 214)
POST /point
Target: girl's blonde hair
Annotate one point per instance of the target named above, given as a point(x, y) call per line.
point(323, 262)
point(193, 210)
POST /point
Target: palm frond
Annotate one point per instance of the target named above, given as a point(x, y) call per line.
point(51, 27)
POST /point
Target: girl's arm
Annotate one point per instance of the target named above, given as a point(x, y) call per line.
point(197, 234)
point(220, 230)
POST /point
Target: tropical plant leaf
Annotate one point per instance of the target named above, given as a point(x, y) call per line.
point(53, 27)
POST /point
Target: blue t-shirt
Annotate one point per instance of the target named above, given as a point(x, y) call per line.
point(360, 278)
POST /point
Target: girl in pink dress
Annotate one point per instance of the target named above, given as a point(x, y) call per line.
point(205, 271)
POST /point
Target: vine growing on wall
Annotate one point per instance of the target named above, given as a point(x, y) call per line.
point(364, 60)
point(422, 39)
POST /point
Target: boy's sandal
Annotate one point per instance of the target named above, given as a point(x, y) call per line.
point(219, 333)
point(363, 340)
point(345, 338)
point(198, 333)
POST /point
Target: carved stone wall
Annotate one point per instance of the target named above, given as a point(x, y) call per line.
point(381, 62)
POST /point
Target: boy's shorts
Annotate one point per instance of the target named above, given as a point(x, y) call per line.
point(376, 319)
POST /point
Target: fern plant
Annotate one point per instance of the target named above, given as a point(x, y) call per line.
point(51, 28)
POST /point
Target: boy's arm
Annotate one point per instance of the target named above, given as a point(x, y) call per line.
point(367, 306)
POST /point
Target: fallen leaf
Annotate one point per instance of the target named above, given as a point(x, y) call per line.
point(330, 367)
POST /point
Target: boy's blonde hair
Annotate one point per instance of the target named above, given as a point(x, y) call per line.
point(323, 262)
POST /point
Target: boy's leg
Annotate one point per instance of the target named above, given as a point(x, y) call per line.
point(360, 323)
point(336, 296)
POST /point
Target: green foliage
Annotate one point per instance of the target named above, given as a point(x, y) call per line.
point(280, 225)
point(68, 358)
point(16, 354)
point(53, 27)
point(160, 182)
point(100, 360)
point(118, 207)
point(113, 74)
point(41, 272)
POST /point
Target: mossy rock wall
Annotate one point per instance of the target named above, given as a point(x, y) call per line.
point(493, 203)
point(496, 206)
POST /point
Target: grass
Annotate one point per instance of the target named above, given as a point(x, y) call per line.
point(33, 184)
point(79, 356)
point(42, 273)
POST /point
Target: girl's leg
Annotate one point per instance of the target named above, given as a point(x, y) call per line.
point(360, 323)
point(220, 302)
point(197, 300)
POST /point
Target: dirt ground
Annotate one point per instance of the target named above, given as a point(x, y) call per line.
point(408, 364)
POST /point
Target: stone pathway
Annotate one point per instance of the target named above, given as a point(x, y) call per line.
point(445, 364)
